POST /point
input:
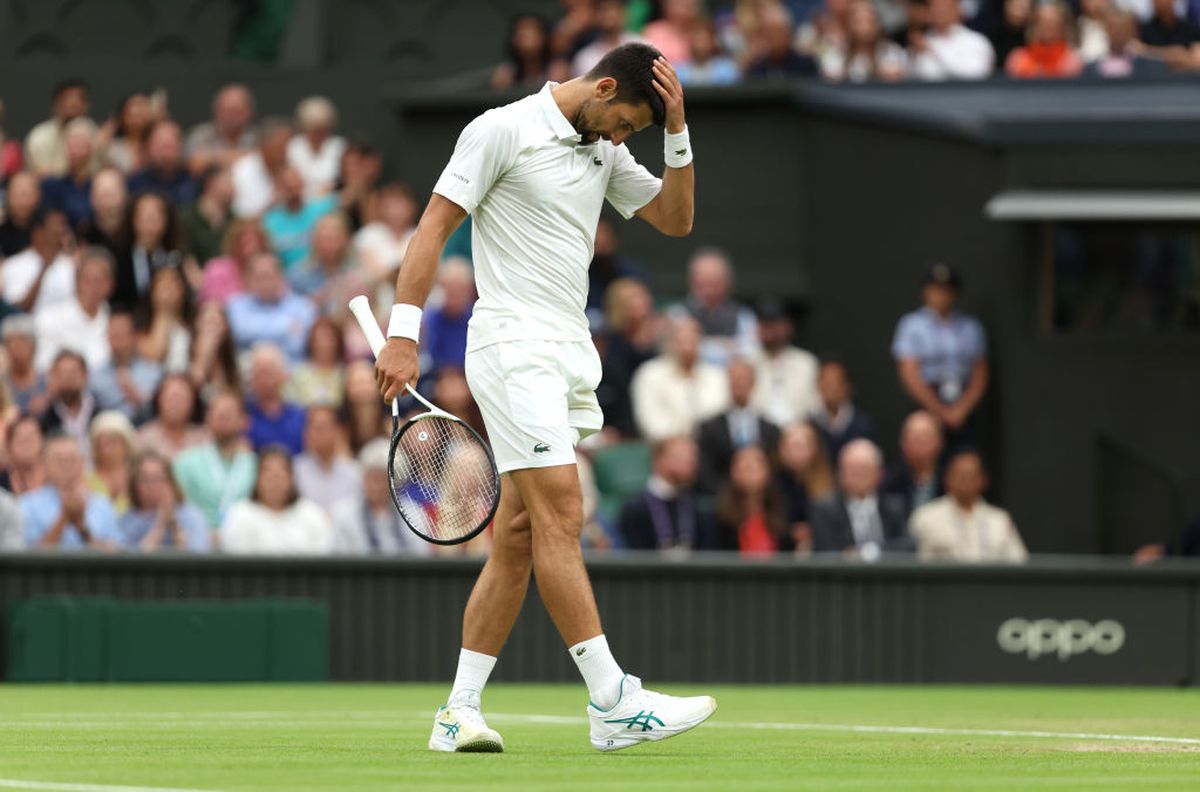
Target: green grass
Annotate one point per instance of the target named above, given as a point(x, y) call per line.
point(372, 737)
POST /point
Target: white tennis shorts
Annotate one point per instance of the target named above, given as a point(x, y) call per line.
point(538, 399)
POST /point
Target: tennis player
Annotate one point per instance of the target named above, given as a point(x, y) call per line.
point(534, 175)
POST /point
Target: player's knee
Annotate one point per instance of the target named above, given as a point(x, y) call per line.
point(562, 524)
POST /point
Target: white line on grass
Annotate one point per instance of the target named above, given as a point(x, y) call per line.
point(10, 783)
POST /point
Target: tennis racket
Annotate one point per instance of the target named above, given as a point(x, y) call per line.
point(443, 476)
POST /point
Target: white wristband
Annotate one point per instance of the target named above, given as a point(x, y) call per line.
point(405, 322)
point(677, 149)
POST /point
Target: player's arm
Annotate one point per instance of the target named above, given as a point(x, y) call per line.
point(671, 211)
point(397, 364)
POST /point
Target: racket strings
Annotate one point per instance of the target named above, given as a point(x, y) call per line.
point(443, 480)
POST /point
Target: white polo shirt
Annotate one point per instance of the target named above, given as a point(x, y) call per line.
point(534, 194)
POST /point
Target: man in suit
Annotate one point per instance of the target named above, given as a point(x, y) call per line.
point(859, 519)
point(838, 419)
point(666, 515)
point(739, 426)
point(917, 477)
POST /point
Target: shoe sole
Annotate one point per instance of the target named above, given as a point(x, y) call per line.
point(632, 742)
point(484, 745)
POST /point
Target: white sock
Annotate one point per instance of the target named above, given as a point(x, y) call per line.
point(600, 671)
point(474, 668)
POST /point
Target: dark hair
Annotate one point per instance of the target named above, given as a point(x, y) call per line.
point(511, 54)
point(72, 355)
point(210, 173)
point(269, 451)
point(69, 84)
point(226, 355)
point(135, 465)
point(197, 415)
point(189, 304)
point(733, 504)
point(170, 237)
point(326, 321)
point(631, 65)
point(38, 217)
point(119, 115)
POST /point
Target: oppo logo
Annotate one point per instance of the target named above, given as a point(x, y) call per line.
point(1061, 638)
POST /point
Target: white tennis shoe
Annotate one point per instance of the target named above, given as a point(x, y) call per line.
point(642, 715)
point(461, 728)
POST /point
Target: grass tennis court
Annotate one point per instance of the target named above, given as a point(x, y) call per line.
point(372, 737)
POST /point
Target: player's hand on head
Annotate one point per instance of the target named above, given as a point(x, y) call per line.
point(396, 366)
point(666, 82)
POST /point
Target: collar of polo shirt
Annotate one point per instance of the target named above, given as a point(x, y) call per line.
point(562, 127)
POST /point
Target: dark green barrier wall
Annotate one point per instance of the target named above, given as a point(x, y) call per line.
point(712, 619)
point(100, 639)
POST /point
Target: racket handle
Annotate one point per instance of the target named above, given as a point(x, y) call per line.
point(360, 306)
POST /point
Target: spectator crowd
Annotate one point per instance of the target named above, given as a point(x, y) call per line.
point(723, 42)
point(180, 370)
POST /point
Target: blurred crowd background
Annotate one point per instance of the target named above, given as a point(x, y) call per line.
point(180, 370)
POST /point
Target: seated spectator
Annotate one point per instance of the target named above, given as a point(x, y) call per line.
point(128, 381)
point(1166, 30)
point(21, 201)
point(71, 406)
point(176, 424)
point(150, 242)
point(112, 442)
point(254, 174)
point(673, 393)
point(785, 389)
point(159, 517)
point(444, 330)
point(961, 525)
point(225, 276)
point(1048, 53)
point(315, 152)
point(330, 276)
point(25, 383)
point(451, 393)
point(629, 339)
point(1012, 28)
point(825, 30)
point(213, 367)
point(166, 336)
point(166, 172)
point(361, 166)
point(866, 55)
point(1188, 546)
point(80, 322)
point(366, 522)
point(10, 152)
point(706, 63)
point(273, 421)
point(1092, 27)
point(666, 515)
point(837, 419)
point(669, 34)
point(26, 463)
point(739, 426)
point(363, 410)
point(611, 32)
point(276, 519)
point(608, 265)
point(805, 476)
point(381, 244)
point(941, 357)
point(12, 526)
point(109, 207)
point(729, 328)
point(778, 59)
point(948, 50)
point(751, 517)
point(290, 222)
point(71, 193)
point(324, 474)
point(320, 379)
point(121, 142)
point(859, 519)
point(269, 311)
point(218, 473)
point(46, 145)
point(63, 513)
point(222, 141)
point(1123, 58)
point(528, 62)
point(917, 478)
point(43, 274)
point(204, 223)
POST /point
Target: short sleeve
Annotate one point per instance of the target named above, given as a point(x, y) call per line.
point(978, 341)
point(630, 186)
point(907, 341)
point(485, 150)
